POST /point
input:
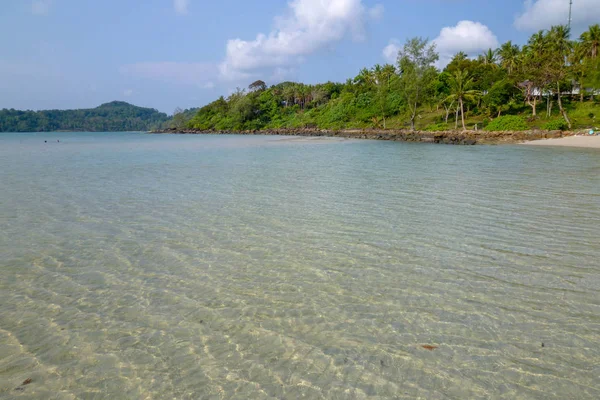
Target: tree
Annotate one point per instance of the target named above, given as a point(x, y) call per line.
point(532, 64)
point(559, 49)
point(489, 57)
point(590, 40)
point(383, 76)
point(509, 56)
point(178, 121)
point(499, 97)
point(586, 61)
point(415, 62)
point(461, 90)
point(257, 86)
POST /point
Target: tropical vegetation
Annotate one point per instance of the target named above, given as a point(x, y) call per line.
point(512, 81)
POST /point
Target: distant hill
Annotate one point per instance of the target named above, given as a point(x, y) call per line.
point(110, 117)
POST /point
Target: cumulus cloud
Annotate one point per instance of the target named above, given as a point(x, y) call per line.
point(311, 25)
point(127, 92)
point(469, 37)
point(199, 74)
point(181, 6)
point(390, 52)
point(542, 14)
point(40, 7)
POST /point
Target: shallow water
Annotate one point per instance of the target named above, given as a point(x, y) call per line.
point(232, 267)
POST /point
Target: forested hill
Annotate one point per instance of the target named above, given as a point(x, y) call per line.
point(109, 117)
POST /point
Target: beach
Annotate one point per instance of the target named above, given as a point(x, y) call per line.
point(591, 142)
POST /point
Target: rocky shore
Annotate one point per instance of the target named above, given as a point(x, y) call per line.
point(442, 137)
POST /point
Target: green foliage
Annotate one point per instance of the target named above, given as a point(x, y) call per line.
point(556, 125)
point(115, 116)
point(417, 74)
point(507, 123)
point(438, 127)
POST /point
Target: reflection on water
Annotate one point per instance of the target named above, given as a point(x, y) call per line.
point(138, 266)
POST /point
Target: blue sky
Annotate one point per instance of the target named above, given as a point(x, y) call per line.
point(185, 53)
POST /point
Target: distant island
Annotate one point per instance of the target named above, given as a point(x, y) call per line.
point(110, 117)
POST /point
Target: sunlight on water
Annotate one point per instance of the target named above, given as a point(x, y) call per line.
point(157, 266)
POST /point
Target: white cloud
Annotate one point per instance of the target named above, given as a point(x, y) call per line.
point(390, 52)
point(128, 92)
point(41, 7)
point(311, 25)
point(542, 14)
point(181, 6)
point(199, 74)
point(469, 37)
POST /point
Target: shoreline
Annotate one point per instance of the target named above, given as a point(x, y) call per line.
point(586, 142)
point(441, 137)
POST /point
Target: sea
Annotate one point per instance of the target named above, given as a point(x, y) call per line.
point(139, 266)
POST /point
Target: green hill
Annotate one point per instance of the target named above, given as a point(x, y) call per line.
point(109, 117)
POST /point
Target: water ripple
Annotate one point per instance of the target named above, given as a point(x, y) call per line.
point(138, 266)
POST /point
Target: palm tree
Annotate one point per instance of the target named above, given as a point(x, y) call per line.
point(509, 55)
point(591, 41)
point(460, 89)
point(558, 36)
point(489, 57)
point(578, 66)
point(538, 42)
point(288, 94)
point(460, 56)
point(561, 48)
point(365, 77)
point(587, 54)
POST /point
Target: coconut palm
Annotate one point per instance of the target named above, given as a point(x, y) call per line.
point(591, 41)
point(559, 38)
point(365, 77)
point(489, 57)
point(557, 70)
point(509, 55)
point(460, 89)
point(578, 63)
point(288, 94)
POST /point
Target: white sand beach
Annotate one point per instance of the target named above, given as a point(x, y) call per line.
point(571, 141)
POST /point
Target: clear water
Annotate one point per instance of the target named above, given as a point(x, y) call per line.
point(221, 267)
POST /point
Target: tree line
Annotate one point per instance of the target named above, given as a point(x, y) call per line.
point(503, 88)
point(109, 117)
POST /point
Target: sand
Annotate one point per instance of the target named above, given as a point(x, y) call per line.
point(592, 142)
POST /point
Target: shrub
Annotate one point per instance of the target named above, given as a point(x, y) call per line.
point(437, 127)
point(556, 125)
point(507, 123)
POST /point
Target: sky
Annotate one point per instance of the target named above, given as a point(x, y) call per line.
point(164, 54)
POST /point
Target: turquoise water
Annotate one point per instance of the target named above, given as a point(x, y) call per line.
point(232, 267)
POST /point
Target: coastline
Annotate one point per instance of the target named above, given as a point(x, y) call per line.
point(440, 137)
point(588, 142)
